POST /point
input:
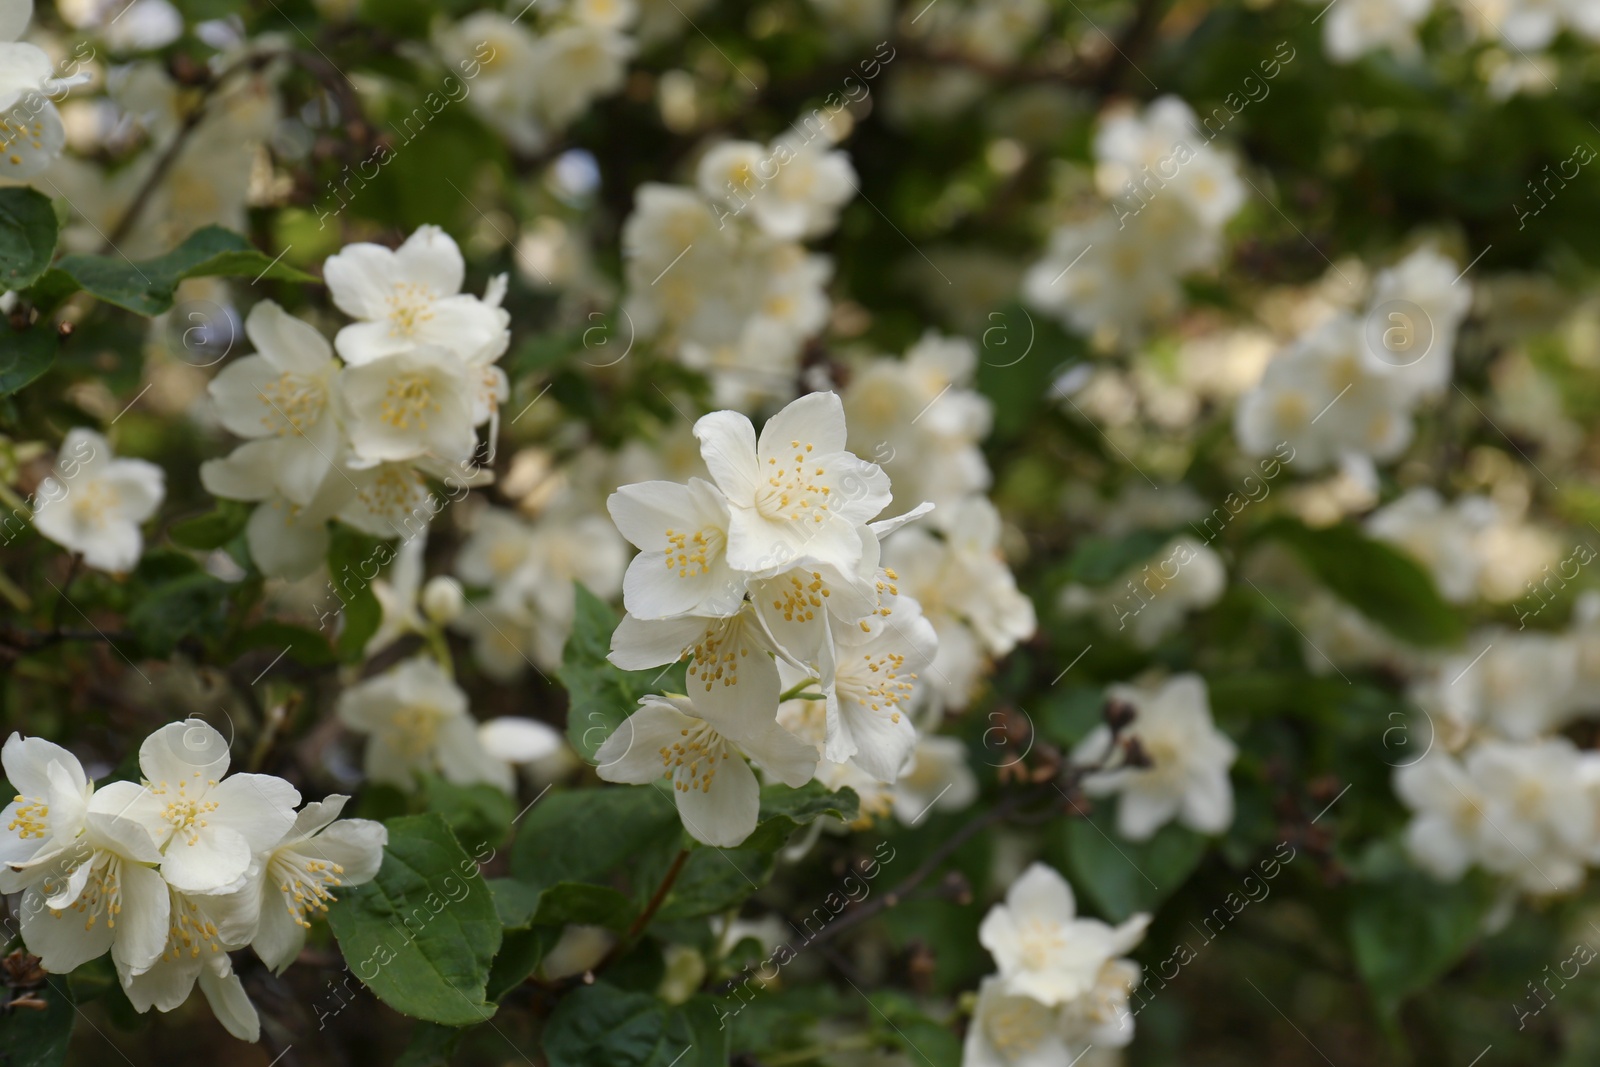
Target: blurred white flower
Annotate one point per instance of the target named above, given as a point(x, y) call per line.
point(1189, 757)
point(93, 502)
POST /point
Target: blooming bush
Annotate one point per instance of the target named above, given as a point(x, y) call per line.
point(987, 533)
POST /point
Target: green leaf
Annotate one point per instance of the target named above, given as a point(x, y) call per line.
point(213, 529)
point(173, 610)
point(147, 287)
point(1121, 877)
point(431, 1045)
point(27, 236)
point(1390, 588)
point(586, 835)
point(1407, 931)
point(24, 356)
point(478, 814)
point(784, 810)
point(422, 934)
point(1098, 560)
point(601, 695)
point(520, 955)
point(33, 1037)
point(601, 1024)
point(299, 644)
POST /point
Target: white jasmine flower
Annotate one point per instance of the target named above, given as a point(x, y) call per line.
point(1431, 282)
point(1443, 538)
point(1100, 1018)
point(868, 676)
point(1164, 151)
point(1044, 951)
point(31, 134)
point(298, 875)
point(1539, 815)
point(797, 493)
point(505, 55)
point(1011, 1029)
point(1356, 27)
point(286, 539)
point(101, 893)
point(731, 670)
point(93, 503)
point(936, 778)
point(804, 183)
point(718, 797)
point(408, 297)
point(682, 534)
point(1190, 757)
point(416, 721)
point(201, 931)
point(413, 404)
point(48, 812)
point(1444, 833)
point(207, 826)
point(575, 64)
point(284, 392)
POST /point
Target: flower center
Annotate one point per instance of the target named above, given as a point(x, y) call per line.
point(304, 883)
point(392, 490)
point(690, 554)
point(296, 403)
point(793, 493)
point(32, 819)
point(102, 892)
point(189, 930)
point(185, 811)
point(880, 682)
point(700, 747)
point(1016, 1026)
point(416, 728)
point(91, 502)
point(1041, 940)
point(798, 598)
point(409, 399)
point(715, 657)
point(15, 130)
point(410, 303)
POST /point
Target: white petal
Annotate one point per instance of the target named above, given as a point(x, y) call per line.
point(518, 740)
point(728, 446)
point(289, 343)
point(142, 924)
point(782, 755)
point(726, 813)
point(208, 862)
point(259, 807)
point(27, 764)
point(632, 754)
point(816, 419)
point(226, 995)
point(59, 939)
point(189, 751)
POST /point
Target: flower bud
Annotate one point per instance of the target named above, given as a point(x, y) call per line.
point(442, 600)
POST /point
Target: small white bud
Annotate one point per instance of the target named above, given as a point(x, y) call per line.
point(442, 600)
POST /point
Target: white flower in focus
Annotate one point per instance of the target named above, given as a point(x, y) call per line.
point(299, 874)
point(31, 134)
point(681, 532)
point(718, 796)
point(868, 675)
point(1190, 757)
point(795, 494)
point(201, 931)
point(48, 813)
point(411, 296)
point(416, 721)
point(93, 502)
point(207, 826)
point(414, 404)
point(1044, 951)
point(731, 670)
point(285, 392)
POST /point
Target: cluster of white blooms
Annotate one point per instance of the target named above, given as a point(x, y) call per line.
point(1188, 760)
point(1473, 546)
point(92, 503)
point(993, 31)
point(1171, 193)
point(718, 274)
point(31, 134)
point(354, 439)
point(922, 421)
point(173, 872)
point(1063, 985)
point(529, 567)
point(1344, 392)
point(542, 68)
point(1498, 785)
point(767, 580)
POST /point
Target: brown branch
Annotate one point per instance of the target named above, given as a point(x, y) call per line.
point(656, 898)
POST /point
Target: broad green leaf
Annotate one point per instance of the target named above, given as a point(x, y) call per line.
point(27, 236)
point(24, 356)
point(1121, 877)
point(215, 528)
point(520, 955)
point(38, 1037)
point(1389, 588)
point(478, 814)
point(304, 646)
point(601, 1024)
point(422, 934)
point(600, 696)
point(147, 287)
point(1098, 560)
point(520, 905)
point(1407, 931)
point(171, 611)
point(431, 1045)
point(588, 835)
